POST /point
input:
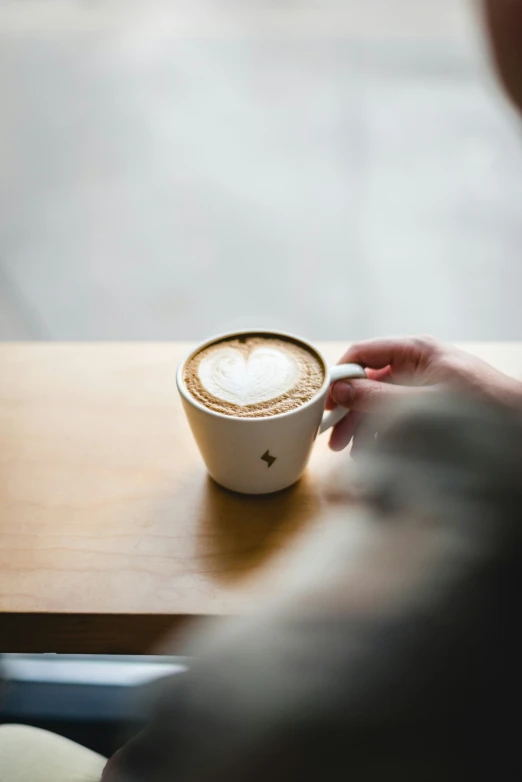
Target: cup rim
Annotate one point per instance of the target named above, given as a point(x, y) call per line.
point(228, 335)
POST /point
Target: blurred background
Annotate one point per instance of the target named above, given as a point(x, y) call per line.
point(340, 168)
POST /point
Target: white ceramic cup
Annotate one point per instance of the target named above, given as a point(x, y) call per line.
point(262, 455)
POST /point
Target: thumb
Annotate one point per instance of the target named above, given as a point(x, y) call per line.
point(371, 395)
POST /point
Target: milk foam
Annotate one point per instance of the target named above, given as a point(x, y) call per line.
point(253, 375)
point(265, 374)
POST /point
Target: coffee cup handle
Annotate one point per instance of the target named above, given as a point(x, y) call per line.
point(340, 372)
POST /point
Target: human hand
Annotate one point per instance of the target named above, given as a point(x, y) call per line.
point(402, 367)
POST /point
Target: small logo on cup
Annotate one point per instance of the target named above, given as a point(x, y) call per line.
point(268, 459)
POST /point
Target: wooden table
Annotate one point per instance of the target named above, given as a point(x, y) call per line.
point(111, 532)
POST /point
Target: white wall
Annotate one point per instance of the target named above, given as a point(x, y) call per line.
point(342, 169)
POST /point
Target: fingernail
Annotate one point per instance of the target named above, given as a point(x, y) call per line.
point(343, 393)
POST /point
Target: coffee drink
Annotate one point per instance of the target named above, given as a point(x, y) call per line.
point(254, 375)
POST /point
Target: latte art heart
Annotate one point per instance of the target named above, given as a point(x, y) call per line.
point(265, 374)
point(253, 375)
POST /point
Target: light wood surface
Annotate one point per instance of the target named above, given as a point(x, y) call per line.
point(110, 530)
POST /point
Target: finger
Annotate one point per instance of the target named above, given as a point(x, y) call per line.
point(382, 375)
point(371, 396)
point(364, 436)
point(397, 352)
point(330, 402)
point(344, 431)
